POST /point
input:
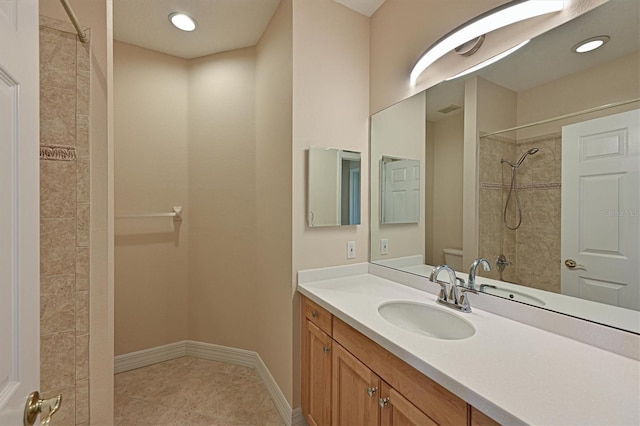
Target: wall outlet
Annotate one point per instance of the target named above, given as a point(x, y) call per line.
point(351, 250)
point(384, 246)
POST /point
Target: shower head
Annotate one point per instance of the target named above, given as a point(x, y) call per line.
point(515, 166)
point(530, 152)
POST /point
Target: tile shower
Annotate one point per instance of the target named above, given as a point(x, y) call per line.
point(534, 248)
point(64, 220)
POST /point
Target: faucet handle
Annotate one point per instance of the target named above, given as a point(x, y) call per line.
point(443, 291)
point(465, 306)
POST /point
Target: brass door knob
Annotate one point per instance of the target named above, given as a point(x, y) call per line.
point(35, 406)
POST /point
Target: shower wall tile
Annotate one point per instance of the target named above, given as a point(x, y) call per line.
point(57, 246)
point(83, 225)
point(82, 262)
point(82, 401)
point(56, 24)
point(82, 194)
point(57, 58)
point(57, 189)
point(57, 361)
point(82, 106)
point(65, 214)
point(82, 357)
point(57, 116)
point(82, 282)
point(82, 312)
point(83, 51)
point(57, 310)
point(82, 136)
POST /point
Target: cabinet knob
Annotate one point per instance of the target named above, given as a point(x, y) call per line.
point(315, 314)
point(326, 349)
point(383, 402)
point(372, 391)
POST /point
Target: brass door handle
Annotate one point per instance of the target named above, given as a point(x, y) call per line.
point(572, 264)
point(35, 406)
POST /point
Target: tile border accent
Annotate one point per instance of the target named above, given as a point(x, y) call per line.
point(498, 186)
point(57, 152)
point(212, 352)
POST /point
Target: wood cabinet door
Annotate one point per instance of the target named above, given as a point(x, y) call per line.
point(396, 410)
point(478, 418)
point(316, 392)
point(355, 391)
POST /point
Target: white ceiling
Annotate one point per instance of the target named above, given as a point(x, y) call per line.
point(222, 24)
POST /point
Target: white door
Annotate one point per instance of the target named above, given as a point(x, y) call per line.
point(401, 191)
point(601, 210)
point(19, 212)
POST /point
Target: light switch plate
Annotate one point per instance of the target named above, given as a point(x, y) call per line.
point(351, 250)
point(384, 246)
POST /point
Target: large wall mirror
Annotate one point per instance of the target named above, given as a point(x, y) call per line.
point(532, 163)
point(333, 192)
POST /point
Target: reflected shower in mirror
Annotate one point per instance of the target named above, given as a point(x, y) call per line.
point(527, 166)
point(333, 193)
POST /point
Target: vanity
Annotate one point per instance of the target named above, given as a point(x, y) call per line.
point(360, 368)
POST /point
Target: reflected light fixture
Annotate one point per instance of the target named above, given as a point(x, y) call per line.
point(182, 22)
point(489, 61)
point(510, 13)
point(590, 44)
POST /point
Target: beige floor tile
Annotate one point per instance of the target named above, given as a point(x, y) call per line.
point(193, 391)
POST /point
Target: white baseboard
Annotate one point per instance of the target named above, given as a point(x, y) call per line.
point(214, 352)
point(150, 356)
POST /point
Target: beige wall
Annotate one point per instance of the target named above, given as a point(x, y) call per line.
point(151, 174)
point(330, 108)
point(274, 320)
point(577, 92)
point(404, 122)
point(448, 138)
point(222, 198)
point(96, 15)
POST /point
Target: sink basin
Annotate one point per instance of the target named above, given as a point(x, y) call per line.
point(426, 320)
point(514, 295)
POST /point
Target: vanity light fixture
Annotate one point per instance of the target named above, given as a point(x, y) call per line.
point(590, 44)
point(489, 61)
point(182, 22)
point(507, 14)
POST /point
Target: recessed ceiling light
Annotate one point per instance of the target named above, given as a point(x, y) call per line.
point(590, 44)
point(182, 21)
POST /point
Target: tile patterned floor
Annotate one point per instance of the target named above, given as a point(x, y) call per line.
point(192, 391)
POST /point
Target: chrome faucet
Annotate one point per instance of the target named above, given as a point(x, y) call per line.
point(453, 299)
point(471, 285)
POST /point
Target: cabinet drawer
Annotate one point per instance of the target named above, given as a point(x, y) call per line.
point(432, 399)
point(317, 315)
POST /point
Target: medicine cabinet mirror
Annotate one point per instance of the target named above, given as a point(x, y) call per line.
point(333, 191)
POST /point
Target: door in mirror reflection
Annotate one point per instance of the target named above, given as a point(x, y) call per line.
point(400, 183)
point(600, 187)
point(333, 192)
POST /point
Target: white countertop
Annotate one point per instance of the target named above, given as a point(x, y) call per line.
point(513, 372)
point(614, 316)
